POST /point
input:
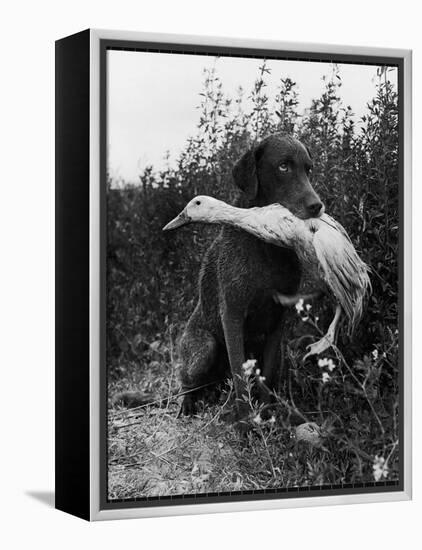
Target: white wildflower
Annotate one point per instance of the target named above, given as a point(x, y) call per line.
point(272, 420)
point(299, 305)
point(258, 372)
point(261, 378)
point(379, 468)
point(375, 354)
point(331, 365)
point(323, 362)
point(248, 366)
point(308, 307)
point(325, 377)
point(257, 419)
point(305, 318)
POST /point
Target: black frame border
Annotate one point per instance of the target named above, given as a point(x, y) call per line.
point(251, 52)
point(72, 292)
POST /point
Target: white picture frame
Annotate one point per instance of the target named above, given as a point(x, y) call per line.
point(81, 58)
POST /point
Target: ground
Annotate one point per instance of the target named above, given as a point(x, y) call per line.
point(329, 425)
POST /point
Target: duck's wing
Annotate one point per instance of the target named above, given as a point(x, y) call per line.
point(344, 272)
point(325, 218)
point(275, 224)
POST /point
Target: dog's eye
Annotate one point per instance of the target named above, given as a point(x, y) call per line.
point(198, 202)
point(283, 167)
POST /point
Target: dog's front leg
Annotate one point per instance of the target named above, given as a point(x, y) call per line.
point(272, 368)
point(233, 327)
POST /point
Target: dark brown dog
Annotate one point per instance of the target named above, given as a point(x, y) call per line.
point(236, 315)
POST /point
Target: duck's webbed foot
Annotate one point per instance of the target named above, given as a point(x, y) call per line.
point(321, 345)
point(327, 340)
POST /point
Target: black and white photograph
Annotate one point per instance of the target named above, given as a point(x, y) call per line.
point(210, 275)
point(252, 275)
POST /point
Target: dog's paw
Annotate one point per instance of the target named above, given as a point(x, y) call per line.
point(188, 406)
point(132, 399)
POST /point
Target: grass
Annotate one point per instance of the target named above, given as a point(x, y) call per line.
point(337, 431)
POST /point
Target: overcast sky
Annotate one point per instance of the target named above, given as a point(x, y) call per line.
point(152, 99)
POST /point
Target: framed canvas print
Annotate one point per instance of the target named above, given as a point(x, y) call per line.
point(233, 274)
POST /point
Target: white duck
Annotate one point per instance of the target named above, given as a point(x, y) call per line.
point(322, 245)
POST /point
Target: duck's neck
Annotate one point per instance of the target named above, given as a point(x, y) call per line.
point(228, 215)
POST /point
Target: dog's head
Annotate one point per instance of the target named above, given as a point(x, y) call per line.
point(277, 171)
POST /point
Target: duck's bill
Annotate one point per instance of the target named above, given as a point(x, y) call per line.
point(181, 219)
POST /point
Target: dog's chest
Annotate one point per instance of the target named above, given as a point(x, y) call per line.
point(248, 266)
point(280, 269)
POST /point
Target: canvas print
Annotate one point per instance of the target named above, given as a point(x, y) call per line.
point(252, 275)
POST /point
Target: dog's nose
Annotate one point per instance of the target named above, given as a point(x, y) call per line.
point(315, 208)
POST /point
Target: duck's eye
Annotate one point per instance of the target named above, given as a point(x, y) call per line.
point(283, 167)
point(198, 202)
point(309, 170)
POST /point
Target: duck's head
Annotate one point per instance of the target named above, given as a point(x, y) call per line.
point(200, 209)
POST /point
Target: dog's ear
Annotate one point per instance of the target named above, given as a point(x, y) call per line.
point(308, 151)
point(245, 175)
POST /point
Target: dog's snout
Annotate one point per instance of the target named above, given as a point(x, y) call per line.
point(314, 208)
